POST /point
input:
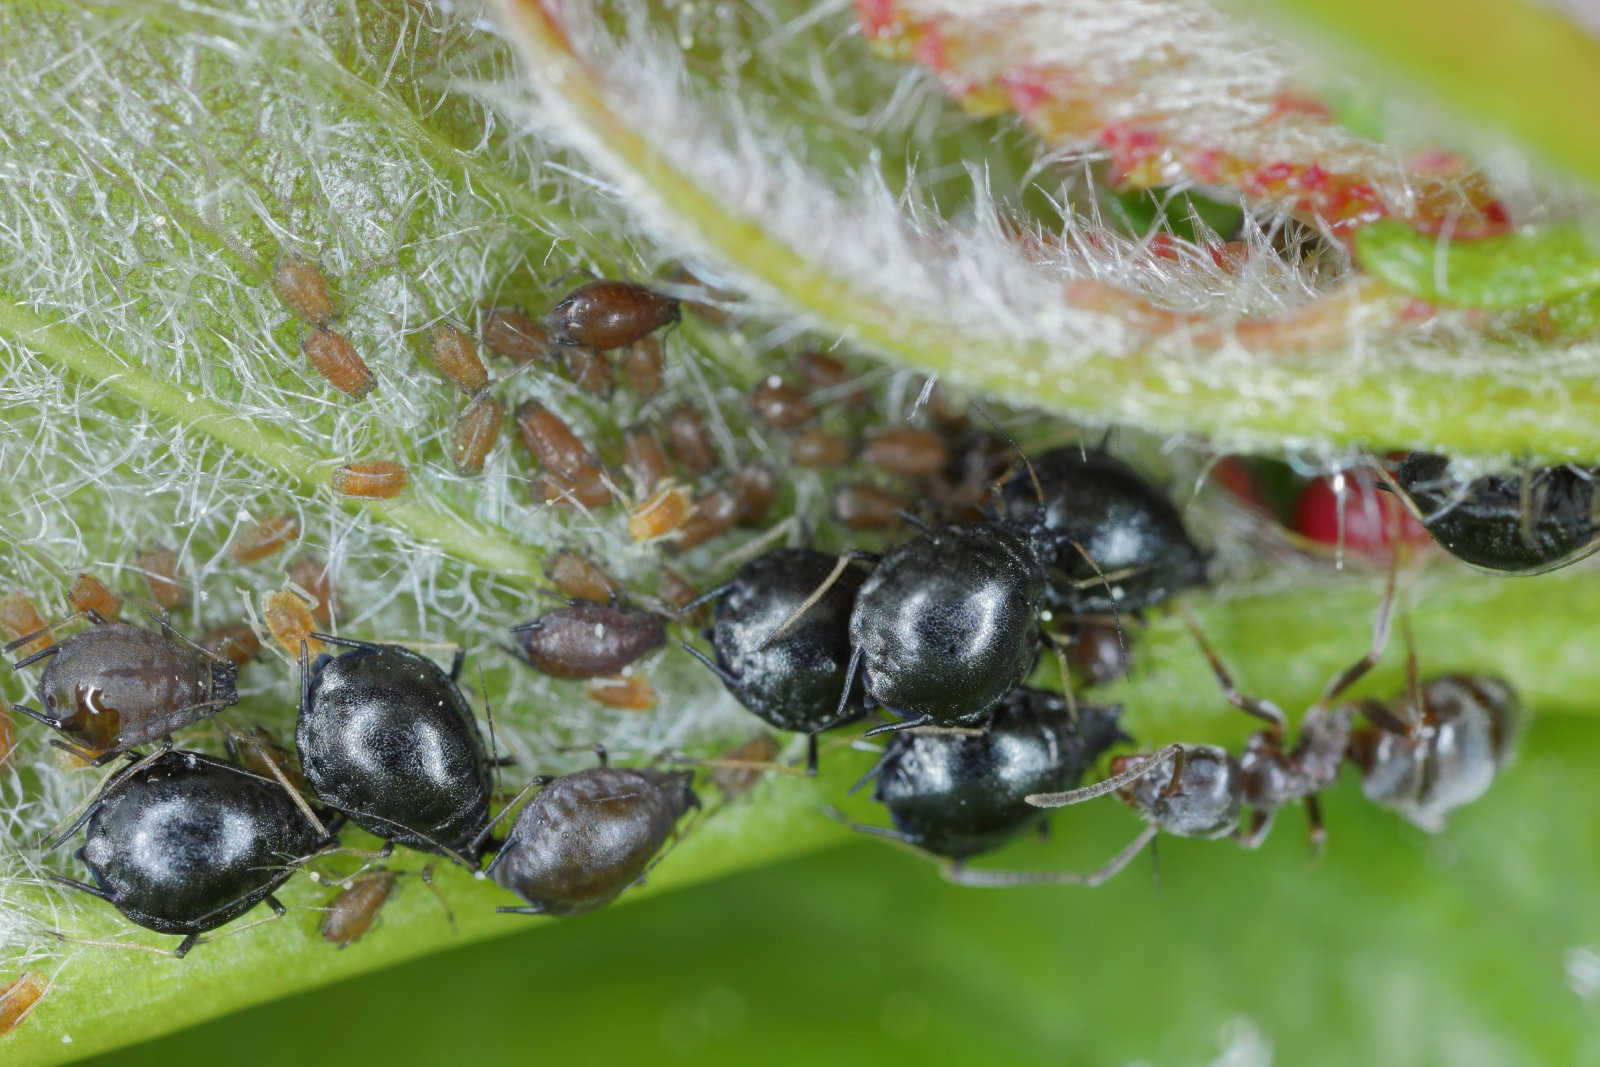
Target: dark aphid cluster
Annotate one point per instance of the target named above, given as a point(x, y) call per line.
point(1523, 523)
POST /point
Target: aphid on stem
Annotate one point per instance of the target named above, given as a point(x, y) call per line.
point(376, 479)
point(303, 289)
point(90, 596)
point(337, 360)
point(162, 576)
point(262, 539)
point(456, 358)
point(475, 433)
point(609, 314)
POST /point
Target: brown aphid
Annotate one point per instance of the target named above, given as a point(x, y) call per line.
point(1097, 651)
point(588, 640)
point(337, 360)
point(866, 507)
point(289, 620)
point(607, 314)
point(735, 781)
point(714, 512)
point(780, 405)
point(906, 451)
point(589, 370)
point(89, 594)
point(516, 335)
point(303, 289)
point(822, 372)
point(352, 912)
point(630, 693)
point(687, 439)
point(473, 436)
point(20, 618)
point(380, 478)
point(552, 442)
point(8, 735)
point(818, 449)
point(642, 365)
point(647, 465)
point(586, 837)
point(756, 487)
point(456, 358)
point(580, 579)
point(660, 514)
point(265, 538)
point(236, 642)
point(948, 412)
point(710, 312)
point(311, 574)
point(18, 998)
point(162, 576)
point(675, 589)
point(588, 490)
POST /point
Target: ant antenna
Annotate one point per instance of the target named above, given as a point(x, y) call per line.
point(1109, 785)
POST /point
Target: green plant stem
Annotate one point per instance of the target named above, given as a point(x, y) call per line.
point(1290, 400)
point(69, 348)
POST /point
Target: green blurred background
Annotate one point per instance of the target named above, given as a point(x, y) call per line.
point(1481, 945)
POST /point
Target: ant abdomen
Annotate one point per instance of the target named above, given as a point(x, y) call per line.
point(1448, 758)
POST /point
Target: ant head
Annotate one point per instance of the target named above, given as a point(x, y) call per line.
point(1196, 793)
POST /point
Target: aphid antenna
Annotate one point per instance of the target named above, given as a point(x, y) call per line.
point(1033, 475)
point(1102, 578)
point(1066, 670)
point(294, 795)
point(1108, 785)
point(779, 531)
point(68, 939)
point(539, 781)
point(814, 598)
point(56, 835)
point(960, 874)
point(488, 712)
point(426, 875)
point(743, 765)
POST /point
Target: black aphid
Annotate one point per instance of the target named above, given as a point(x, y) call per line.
point(183, 843)
point(1116, 541)
point(1519, 523)
point(387, 738)
point(795, 679)
point(115, 686)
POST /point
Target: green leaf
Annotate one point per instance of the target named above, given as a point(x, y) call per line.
point(1512, 271)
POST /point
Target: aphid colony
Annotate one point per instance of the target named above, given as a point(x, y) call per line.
point(935, 636)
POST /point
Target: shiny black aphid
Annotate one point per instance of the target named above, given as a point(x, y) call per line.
point(1099, 507)
point(386, 738)
point(1534, 521)
point(948, 623)
point(586, 837)
point(794, 680)
point(115, 685)
point(957, 796)
point(187, 843)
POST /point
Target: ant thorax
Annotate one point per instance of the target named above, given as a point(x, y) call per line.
point(1274, 777)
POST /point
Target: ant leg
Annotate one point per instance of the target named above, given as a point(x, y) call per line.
point(1316, 833)
point(814, 597)
point(1261, 709)
point(1380, 640)
point(1172, 789)
point(896, 727)
point(1109, 785)
point(185, 945)
point(1260, 823)
point(963, 875)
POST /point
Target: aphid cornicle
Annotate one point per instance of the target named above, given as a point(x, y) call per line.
point(385, 737)
point(1444, 745)
point(586, 837)
point(607, 314)
point(115, 686)
point(185, 843)
point(958, 796)
point(1116, 541)
point(1521, 523)
point(793, 680)
point(588, 640)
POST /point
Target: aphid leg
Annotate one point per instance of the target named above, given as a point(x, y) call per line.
point(726, 678)
point(1066, 674)
point(346, 642)
point(845, 559)
point(850, 670)
point(1316, 833)
point(1526, 506)
point(960, 874)
point(528, 910)
point(1109, 785)
point(895, 727)
point(872, 772)
point(884, 832)
point(704, 598)
point(38, 716)
point(1261, 709)
point(185, 945)
point(36, 657)
point(426, 875)
point(94, 617)
point(912, 521)
point(1380, 640)
point(456, 663)
point(90, 804)
point(811, 755)
point(82, 887)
